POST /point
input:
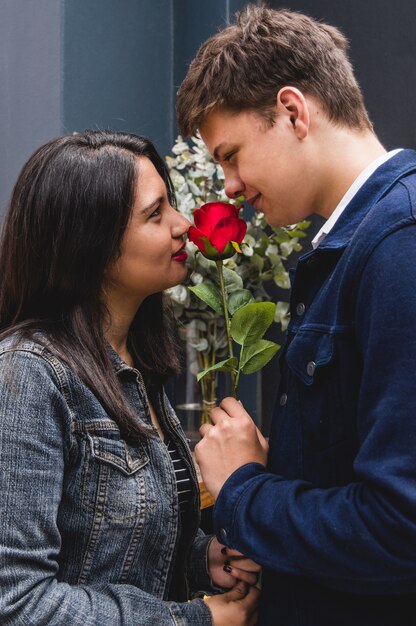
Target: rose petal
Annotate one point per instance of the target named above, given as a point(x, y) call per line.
point(223, 206)
point(203, 222)
point(208, 216)
point(195, 235)
point(227, 230)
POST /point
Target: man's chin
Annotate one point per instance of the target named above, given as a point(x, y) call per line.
point(274, 219)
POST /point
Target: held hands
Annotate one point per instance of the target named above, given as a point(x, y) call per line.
point(237, 607)
point(230, 442)
point(227, 566)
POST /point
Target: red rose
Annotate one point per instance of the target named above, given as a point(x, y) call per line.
point(217, 227)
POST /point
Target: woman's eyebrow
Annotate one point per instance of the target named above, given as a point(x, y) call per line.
point(152, 205)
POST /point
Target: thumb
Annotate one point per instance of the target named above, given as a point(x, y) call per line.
point(238, 592)
point(263, 441)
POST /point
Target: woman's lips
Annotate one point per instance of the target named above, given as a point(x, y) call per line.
point(180, 256)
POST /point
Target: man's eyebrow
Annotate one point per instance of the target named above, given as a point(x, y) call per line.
point(151, 206)
point(225, 149)
point(216, 153)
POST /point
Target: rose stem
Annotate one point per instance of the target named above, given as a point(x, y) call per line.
point(227, 323)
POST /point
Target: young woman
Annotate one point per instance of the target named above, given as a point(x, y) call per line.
point(96, 526)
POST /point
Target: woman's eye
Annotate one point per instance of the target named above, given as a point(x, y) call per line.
point(155, 213)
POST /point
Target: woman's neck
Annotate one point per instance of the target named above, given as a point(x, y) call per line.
point(117, 332)
point(121, 315)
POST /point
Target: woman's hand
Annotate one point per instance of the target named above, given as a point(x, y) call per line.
point(226, 566)
point(237, 607)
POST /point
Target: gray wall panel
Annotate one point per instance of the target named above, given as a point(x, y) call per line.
point(118, 68)
point(30, 78)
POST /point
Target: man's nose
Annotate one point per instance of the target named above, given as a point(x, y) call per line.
point(233, 187)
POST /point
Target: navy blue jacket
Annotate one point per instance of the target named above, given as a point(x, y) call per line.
point(333, 517)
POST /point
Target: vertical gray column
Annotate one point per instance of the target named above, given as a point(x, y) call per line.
point(194, 22)
point(117, 67)
point(30, 79)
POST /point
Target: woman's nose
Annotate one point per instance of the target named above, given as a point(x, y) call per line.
point(233, 186)
point(181, 224)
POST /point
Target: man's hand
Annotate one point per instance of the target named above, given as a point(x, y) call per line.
point(237, 607)
point(230, 442)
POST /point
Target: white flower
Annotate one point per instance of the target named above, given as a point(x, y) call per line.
point(197, 278)
point(179, 294)
point(287, 247)
point(194, 189)
point(186, 203)
point(220, 172)
point(247, 250)
point(200, 345)
point(177, 178)
point(271, 249)
point(180, 147)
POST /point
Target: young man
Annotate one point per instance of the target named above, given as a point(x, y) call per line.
point(331, 514)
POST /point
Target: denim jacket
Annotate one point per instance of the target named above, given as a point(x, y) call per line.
point(89, 524)
point(333, 517)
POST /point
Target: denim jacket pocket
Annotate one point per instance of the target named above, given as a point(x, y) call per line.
point(308, 352)
point(313, 357)
point(114, 477)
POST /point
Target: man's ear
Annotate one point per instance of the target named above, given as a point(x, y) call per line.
point(291, 102)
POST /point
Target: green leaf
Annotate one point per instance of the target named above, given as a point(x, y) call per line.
point(249, 323)
point(257, 261)
point(255, 356)
point(232, 280)
point(223, 366)
point(239, 298)
point(303, 225)
point(209, 294)
point(282, 280)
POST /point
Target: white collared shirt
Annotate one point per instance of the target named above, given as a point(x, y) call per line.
point(346, 199)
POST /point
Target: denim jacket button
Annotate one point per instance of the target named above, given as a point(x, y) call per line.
point(223, 534)
point(283, 399)
point(300, 308)
point(310, 368)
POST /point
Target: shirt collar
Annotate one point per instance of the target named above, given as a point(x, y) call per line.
point(348, 196)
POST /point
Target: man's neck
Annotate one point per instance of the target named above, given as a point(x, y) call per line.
point(346, 155)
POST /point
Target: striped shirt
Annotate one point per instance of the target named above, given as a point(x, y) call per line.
point(182, 476)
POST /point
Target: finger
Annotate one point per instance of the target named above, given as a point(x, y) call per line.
point(230, 551)
point(245, 564)
point(233, 408)
point(204, 429)
point(263, 441)
point(251, 598)
point(217, 415)
point(238, 592)
point(240, 574)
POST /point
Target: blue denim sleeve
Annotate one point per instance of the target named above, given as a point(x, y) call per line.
point(199, 578)
point(34, 420)
point(360, 537)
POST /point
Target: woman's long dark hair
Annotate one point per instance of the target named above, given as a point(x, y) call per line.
point(69, 210)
